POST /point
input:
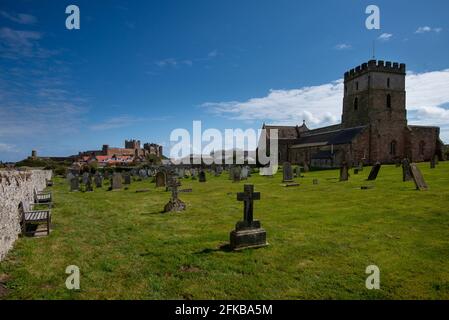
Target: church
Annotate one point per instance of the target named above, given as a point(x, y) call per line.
point(373, 127)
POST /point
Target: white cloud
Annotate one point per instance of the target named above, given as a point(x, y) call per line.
point(427, 103)
point(4, 147)
point(122, 121)
point(426, 29)
point(385, 36)
point(21, 18)
point(343, 46)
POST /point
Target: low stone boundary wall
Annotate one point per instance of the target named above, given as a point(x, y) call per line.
point(16, 187)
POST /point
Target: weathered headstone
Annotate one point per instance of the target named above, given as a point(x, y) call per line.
point(248, 233)
point(344, 172)
point(202, 176)
point(89, 187)
point(418, 178)
point(406, 174)
point(161, 179)
point(85, 177)
point(306, 167)
point(74, 184)
point(69, 177)
point(98, 181)
point(287, 172)
point(236, 174)
point(127, 178)
point(244, 173)
point(175, 204)
point(432, 163)
point(374, 172)
point(116, 181)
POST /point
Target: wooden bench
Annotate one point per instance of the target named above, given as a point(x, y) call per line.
point(42, 197)
point(34, 217)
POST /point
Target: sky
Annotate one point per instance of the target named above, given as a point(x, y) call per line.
point(140, 69)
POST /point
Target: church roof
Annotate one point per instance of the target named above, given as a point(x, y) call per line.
point(336, 137)
point(287, 132)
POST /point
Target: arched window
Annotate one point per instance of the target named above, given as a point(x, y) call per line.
point(356, 104)
point(422, 146)
point(393, 146)
point(356, 86)
point(388, 82)
point(388, 101)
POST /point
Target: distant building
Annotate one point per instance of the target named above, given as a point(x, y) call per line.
point(374, 125)
point(131, 153)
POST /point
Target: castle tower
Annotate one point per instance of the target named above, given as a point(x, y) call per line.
point(374, 96)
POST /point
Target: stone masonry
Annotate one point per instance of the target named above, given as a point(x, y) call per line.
point(16, 187)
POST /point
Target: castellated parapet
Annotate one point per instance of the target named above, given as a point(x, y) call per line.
point(376, 66)
point(17, 187)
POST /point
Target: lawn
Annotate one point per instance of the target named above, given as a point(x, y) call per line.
point(321, 239)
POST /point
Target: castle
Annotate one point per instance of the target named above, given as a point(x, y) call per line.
point(132, 152)
point(373, 128)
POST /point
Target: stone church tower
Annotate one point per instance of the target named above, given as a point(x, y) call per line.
point(374, 96)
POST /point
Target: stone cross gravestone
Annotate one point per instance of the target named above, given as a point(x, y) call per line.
point(161, 179)
point(248, 233)
point(406, 174)
point(344, 172)
point(175, 204)
point(116, 181)
point(374, 172)
point(287, 172)
point(202, 176)
point(418, 178)
point(74, 184)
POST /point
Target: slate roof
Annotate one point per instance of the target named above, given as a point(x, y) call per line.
point(287, 132)
point(336, 137)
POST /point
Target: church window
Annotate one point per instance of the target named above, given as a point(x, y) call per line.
point(388, 82)
point(393, 146)
point(357, 86)
point(356, 104)
point(388, 101)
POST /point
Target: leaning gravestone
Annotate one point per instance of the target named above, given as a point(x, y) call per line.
point(202, 176)
point(374, 172)
point(74, 184)
point(116, 181)
point(161, 179)
point(287, 172)
point(248, 233)
point(406, 174)
point(418, 178)
point(344, 172)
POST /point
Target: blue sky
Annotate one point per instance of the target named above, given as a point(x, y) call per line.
point(139, 69)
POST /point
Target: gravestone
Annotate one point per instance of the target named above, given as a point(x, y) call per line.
point(127, 178)
point(161, 179)
point(418, 178)
point(287, 172)
point(98, 181)
point(69, 177)
point(374, 172)
point(202, 176)
point(89, 187)
point(315, 181)
point(432, 163)
point(116, 181)
point(344, 172)
point(306, 167)
point(143, 173)
point(248, 233)
point(298, 171)
point(175, 204)
point(360, 166)
point(74, 184)
point(406, 174)
point(244, 173)
point(236, 174)
point(85, 177)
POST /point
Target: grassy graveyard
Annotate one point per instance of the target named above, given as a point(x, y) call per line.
point(321, 239)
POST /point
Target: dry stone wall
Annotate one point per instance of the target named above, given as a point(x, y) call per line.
point(16, 187)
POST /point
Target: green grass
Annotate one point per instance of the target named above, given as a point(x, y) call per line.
point(322, 237)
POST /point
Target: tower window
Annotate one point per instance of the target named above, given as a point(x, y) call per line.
point(393, 145)
point(356, 104)
point(389, 101)
point(388, 82)
point(357, 86)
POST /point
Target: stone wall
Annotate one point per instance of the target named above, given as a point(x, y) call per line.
point(16, 187)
